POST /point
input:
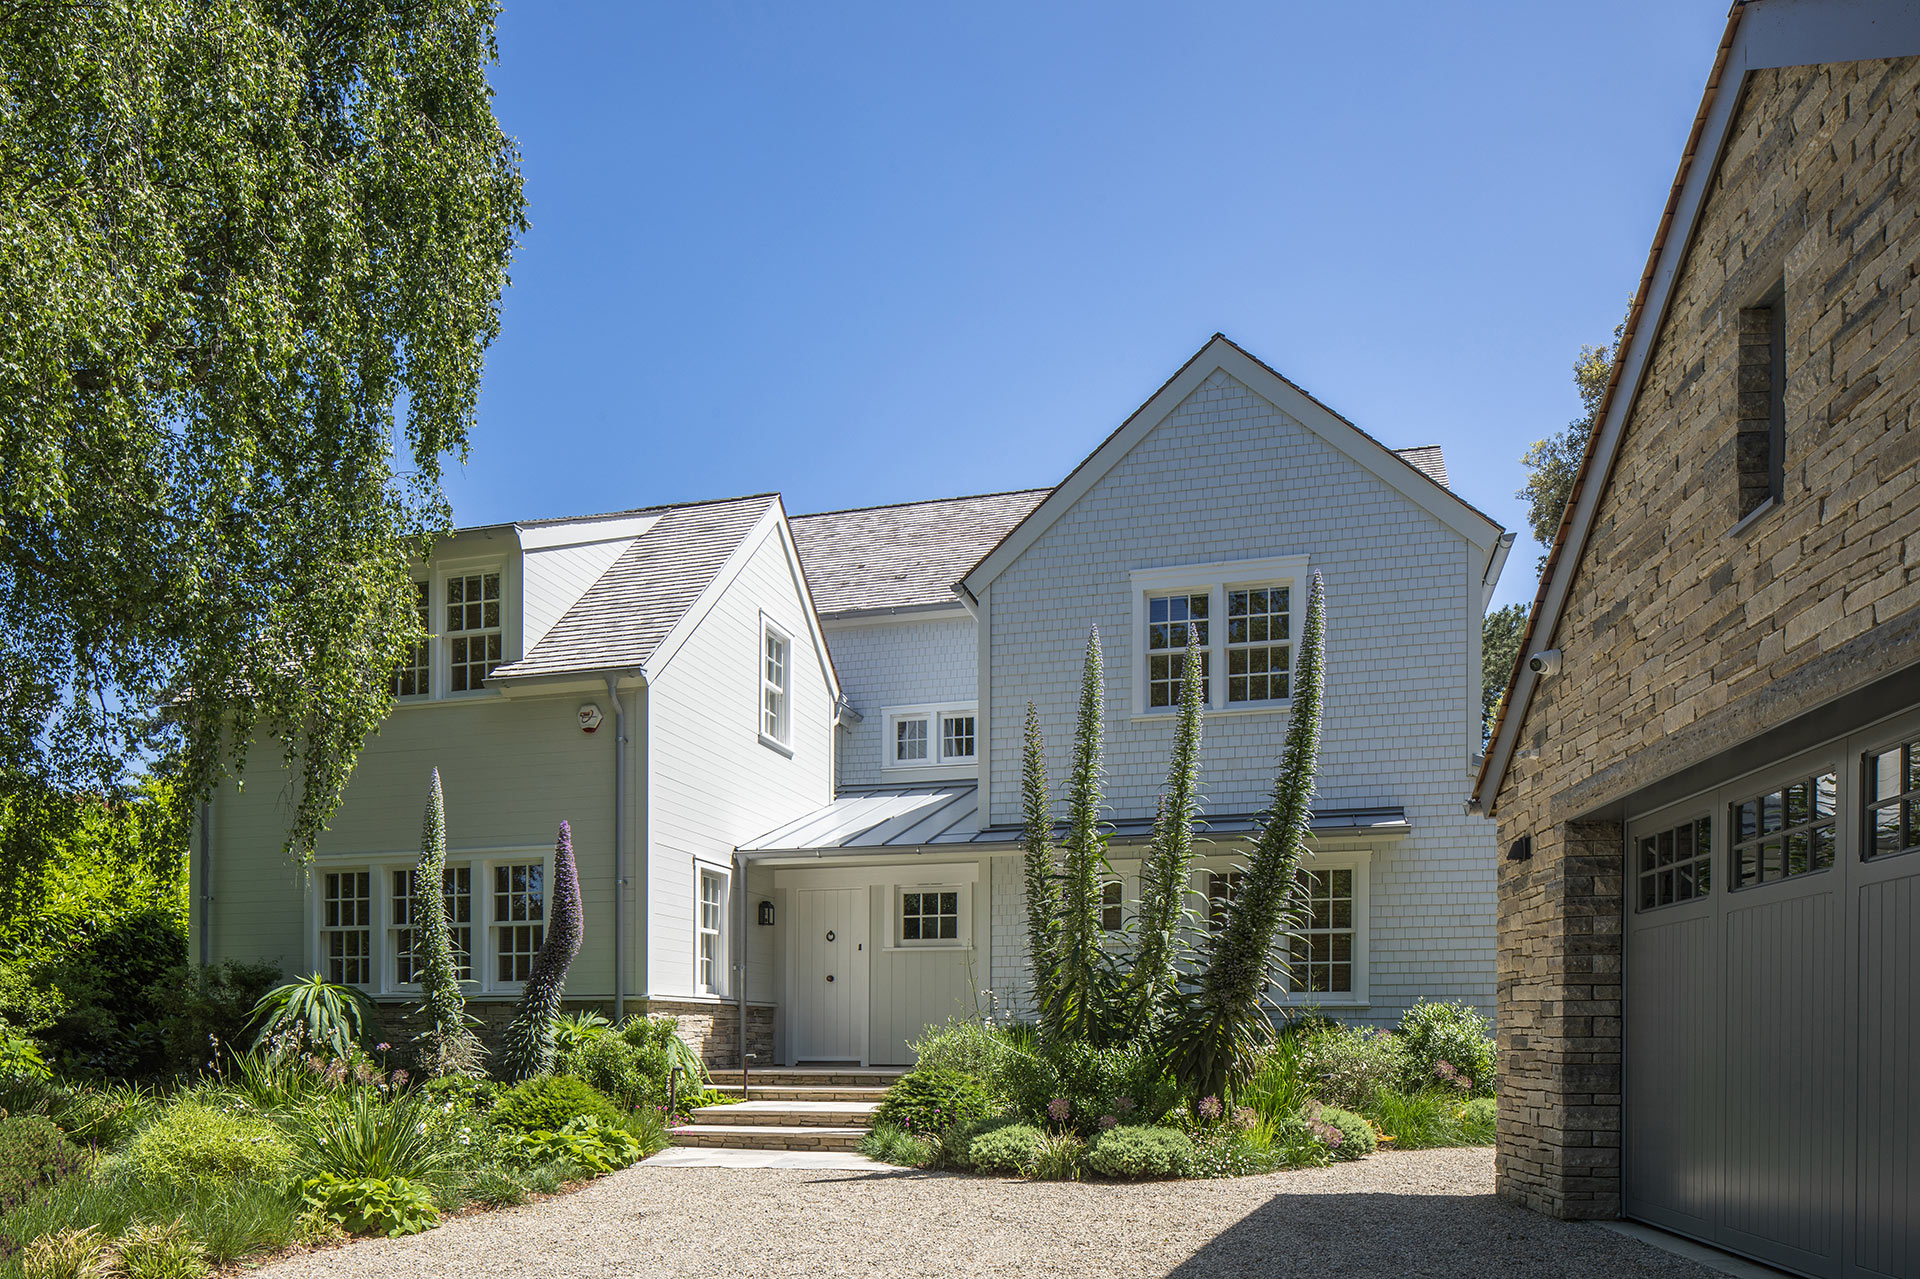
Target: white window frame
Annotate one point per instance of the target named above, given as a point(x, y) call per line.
point(703, 873)
point(935, 715)
point(390, 951)
point(782, 738)
point(963, 929)
point(1215, 581)
point(380, 867)
point(372, 927)
point(1357, 860)
point(442, 673)
point(427, 668)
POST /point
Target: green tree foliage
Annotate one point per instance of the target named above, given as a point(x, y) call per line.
point(1500, 634)
point(1040, 865)
point(1168, 865)
point(447, 1045)
point(1553, 462)
point(1215, 1033)
point(234, 238)
point(529, 1046)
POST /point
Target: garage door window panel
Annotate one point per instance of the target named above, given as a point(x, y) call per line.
point(1784, 832)
point(1893, 801)
point(1674, 865)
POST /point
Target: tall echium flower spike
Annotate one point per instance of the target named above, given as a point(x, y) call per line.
point(446, 1045)
point(529, 1041)
point(1042, 873)
point(1169, 862)
point(1081, 959)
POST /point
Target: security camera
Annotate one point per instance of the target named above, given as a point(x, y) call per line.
point(1545, 662)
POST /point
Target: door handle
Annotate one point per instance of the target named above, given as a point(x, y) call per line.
point(829, 976)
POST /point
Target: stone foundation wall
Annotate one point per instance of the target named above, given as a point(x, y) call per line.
point(711, 1030)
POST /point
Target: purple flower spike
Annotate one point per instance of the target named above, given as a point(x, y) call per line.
point(1209, 1107)
point(1059, 1109)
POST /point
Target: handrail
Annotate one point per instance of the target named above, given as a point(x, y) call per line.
point(744, 1059)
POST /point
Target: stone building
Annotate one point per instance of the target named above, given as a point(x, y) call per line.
point(1706, 775)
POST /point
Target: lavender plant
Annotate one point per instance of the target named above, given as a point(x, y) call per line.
point(529, 1046)
point(447, 1046)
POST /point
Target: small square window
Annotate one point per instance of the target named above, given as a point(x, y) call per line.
point(929, 915)
point(1674, 865)
point(910, 741)
point(956, 737)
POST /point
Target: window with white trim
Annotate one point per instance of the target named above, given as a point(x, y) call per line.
point(346, 926)
point(1174, 622)
point(929, 736)
point(413, 677)
point(930, 916)
point(519, 918)
point(1240, 617)
point(473, 630)
point(710, 952)
point(1111, 919)
point(404, 926)
point(1259, 654)
point(1321, 949)
point(776, 673)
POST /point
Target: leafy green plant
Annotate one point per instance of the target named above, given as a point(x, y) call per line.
point(160, 1250)
point(33, 1153)
point(391, 1206)
point(570, 1030)
point(105, 1115)
point(1215, 1034)
point(549, 1102)
point(1351, 1066)
point(312, 1014)
point(494, 1186)
point(1433, 1117)
point(932, 1101)
point(1357, 1138)
point(447, 1044)
point(1477, 1121)
point(354, 1136)
point(1236, 1149)
point(1136, 1150)
point(1040, 866)
point(1448, 1046)
point(965, 1045)
point(1080, 1007)
point(1011, 1148)
point(1077, 1085)
point(1280, 1085)
point(20, 1056)
point(75, 1253)
point(1062, 1157)
point(464, 1091)
point(528, 1047)
point(1167, 869)
point(894, 1145)
point(192, 1140)
point(586, 1143)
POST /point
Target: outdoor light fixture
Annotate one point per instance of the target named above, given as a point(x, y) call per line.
point(766, 914)
point(1522, 849)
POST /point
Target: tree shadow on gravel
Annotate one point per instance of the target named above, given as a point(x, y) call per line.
point(1480, 1236)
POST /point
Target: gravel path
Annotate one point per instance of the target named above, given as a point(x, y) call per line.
point(1415, 1213)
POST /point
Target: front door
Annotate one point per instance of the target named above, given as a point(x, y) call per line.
point(830, 974)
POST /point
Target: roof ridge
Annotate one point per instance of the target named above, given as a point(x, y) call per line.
point(925, 501)
point(613, 515)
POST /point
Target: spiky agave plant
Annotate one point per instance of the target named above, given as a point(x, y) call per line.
point(1040, 866)
point(446, 1045)
point(1213, 1039)
point(1080, 989)
point(529, 1043)
point(1169, 861)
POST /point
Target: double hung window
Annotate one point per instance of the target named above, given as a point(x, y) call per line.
point(775, 684)
point(519, 918)
point(456, 883)
point(346, 927)
point(710, 930)
point(473, 630)
point(413, 678)
point(1322, 946)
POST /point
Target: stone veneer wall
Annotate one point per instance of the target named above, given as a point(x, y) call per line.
point(711, 1030)
point(1682, 640)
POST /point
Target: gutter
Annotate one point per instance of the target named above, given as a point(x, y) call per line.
point(1496, 564)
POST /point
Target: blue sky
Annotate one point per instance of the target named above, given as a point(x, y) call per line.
point(875, 253)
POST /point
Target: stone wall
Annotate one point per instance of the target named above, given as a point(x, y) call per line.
point(1683, 637)
point(712, 1030)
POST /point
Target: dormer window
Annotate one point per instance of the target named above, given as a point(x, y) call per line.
point(930, 736)
point(473, 630)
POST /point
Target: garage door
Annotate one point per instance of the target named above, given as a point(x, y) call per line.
point(1772, 1054)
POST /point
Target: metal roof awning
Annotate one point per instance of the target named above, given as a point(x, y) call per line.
point(946, 815)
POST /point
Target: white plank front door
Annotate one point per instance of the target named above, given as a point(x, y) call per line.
point(830, 972)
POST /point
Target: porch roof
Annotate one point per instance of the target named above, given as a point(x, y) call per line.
point(946, 814)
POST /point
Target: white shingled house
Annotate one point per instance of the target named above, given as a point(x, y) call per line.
point(789, 746)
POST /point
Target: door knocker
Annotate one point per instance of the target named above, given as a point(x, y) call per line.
point(829, 934)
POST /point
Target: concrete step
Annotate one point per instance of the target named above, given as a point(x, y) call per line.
point(787, 1114)
point(805, 1092)
point(812, 1076)
point(767, 1137)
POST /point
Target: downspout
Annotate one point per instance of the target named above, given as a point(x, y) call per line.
point(206, 882)
point(619, 849)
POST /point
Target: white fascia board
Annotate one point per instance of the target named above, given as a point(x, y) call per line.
point(546, 537)
point(1221, 354)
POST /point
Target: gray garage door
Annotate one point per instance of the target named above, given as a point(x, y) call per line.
point(1772, 1054)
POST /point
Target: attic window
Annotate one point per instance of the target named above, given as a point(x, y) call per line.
point(1760, 429)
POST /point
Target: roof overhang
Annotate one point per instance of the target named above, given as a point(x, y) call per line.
point(1760, 34)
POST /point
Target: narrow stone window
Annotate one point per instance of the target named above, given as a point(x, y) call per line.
point(1760, 434)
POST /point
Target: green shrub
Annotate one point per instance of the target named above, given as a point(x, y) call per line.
point(196, 1142)
point(392, 1206)
point(1015, 1148)
point(66, 1254)
point(160, 1250)
point(33, 1153)
point(1078, 1085)
point(1477, 1121)
point(104, 1116)
point(1062, 1157)
point(205, 1011)
point(464, 1091)
point(549, 1103)
point(1140, 1150)
point(586, 1144)
point(963, 1045)
point(631, 1064)
point(897, 1146)
point(1349, 1067)
point(494, 1186)
point(357, 1137)
point(1357, 1138)
point(932, 1101)
point(20, 1056)
point(1236, 1149)
point(1447, 1046)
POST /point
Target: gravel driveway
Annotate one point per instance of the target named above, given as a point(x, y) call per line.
point(1396, 1214)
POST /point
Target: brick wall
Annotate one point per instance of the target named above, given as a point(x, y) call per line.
point(1682, 639)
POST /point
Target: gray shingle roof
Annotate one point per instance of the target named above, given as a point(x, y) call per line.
point(1426, 459)
point(902, 556)
point(624, 615)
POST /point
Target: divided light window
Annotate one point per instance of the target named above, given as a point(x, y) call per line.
point(456, 884)
point(412, 679)
point(1223, 889)
point(1893, 800)
point(711, 957)
point(929, 915)
point(519, 918)
point(1110, 903)
point(1259, 656)
point(1785, 832)
point(924, 736)
point(910, 741)
point(1173, 622)
point(1675, 865)
point(956, 737)
point(473, 630)
point(346, 927)
point(1322, 946)
point(775, 676)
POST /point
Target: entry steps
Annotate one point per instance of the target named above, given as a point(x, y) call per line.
point(801, 1108)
